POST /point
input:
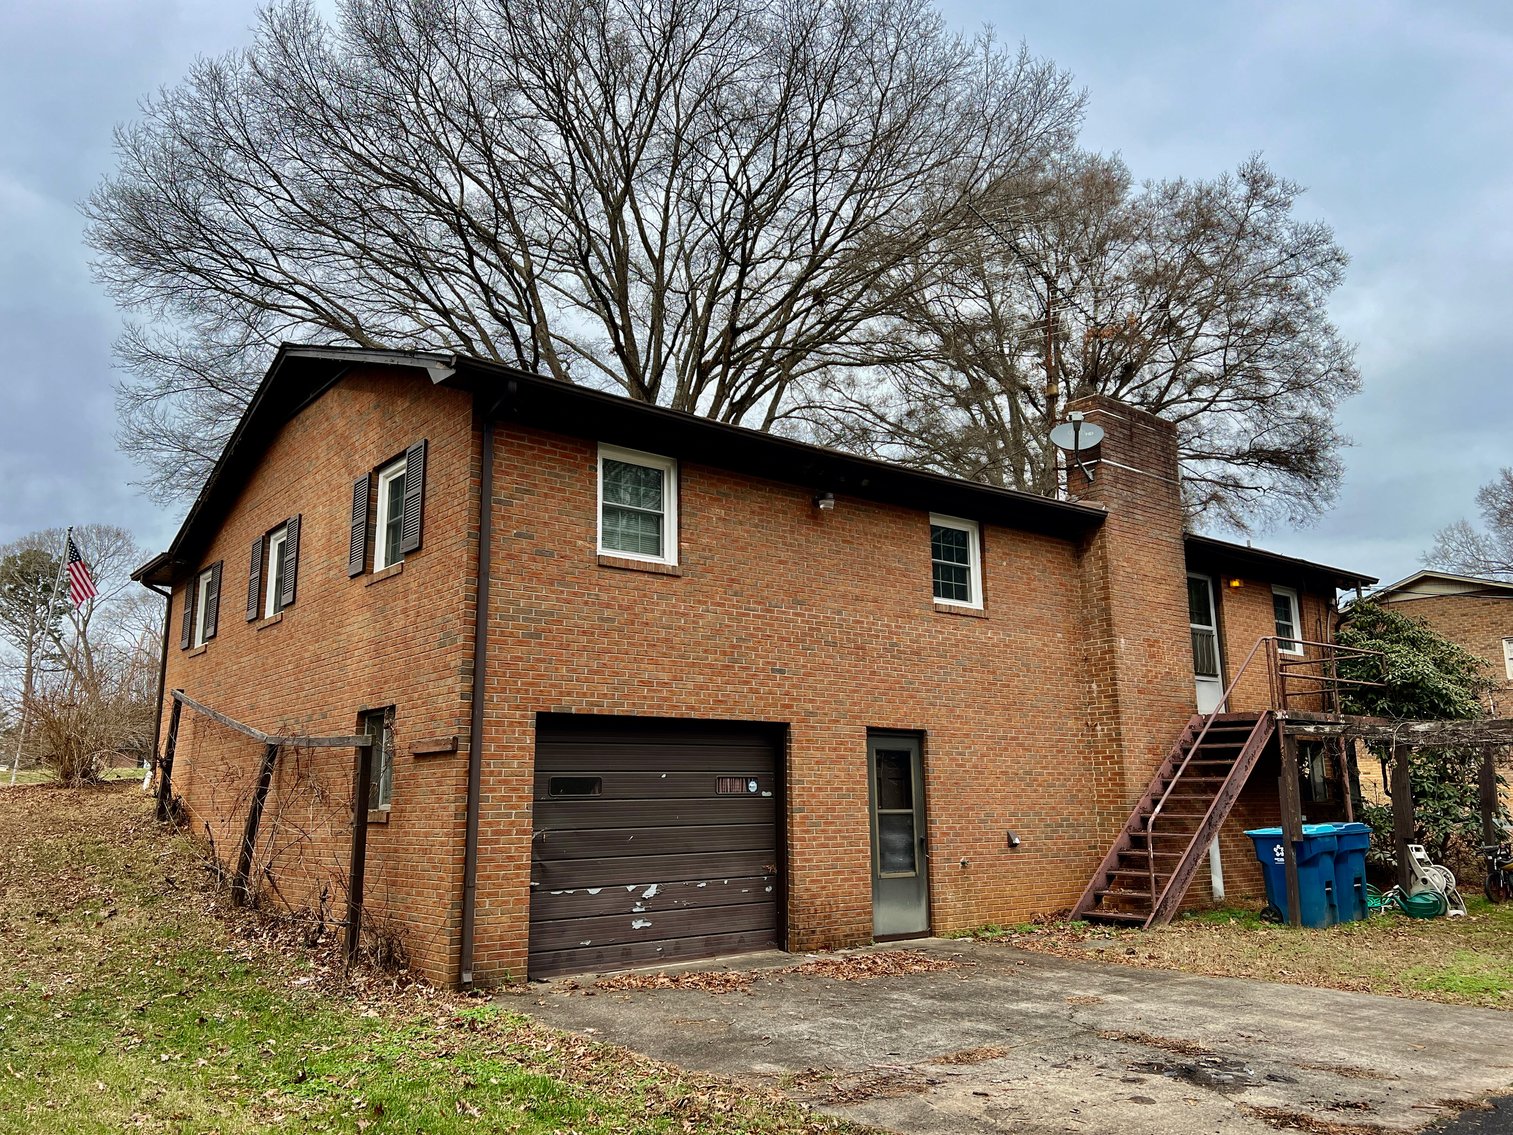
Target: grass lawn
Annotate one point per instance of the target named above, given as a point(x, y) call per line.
point(1462, 961)
point(133, 998)
point(45, 776)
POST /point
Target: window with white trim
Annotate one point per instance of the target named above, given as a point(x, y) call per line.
point(638, 505)
point(204, 614)
point(1507, 654)
point(379, 725)
point(389, 523)
point(955, 561)
point(273, 556)
point(1284, 604)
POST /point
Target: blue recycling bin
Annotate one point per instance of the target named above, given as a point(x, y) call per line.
point(1316, 874)
point(1351, 844)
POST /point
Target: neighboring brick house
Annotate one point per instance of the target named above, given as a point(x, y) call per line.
point(732, 690)
point(1473, 613)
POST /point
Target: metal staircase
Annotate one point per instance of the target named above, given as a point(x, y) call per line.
point(1145, 875)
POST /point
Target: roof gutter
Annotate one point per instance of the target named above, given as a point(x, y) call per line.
point(476, 704)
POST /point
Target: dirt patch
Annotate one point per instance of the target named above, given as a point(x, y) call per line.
point(708, 981)
point(1284, 1120)
point(838, 967)
point(883, 963)
point(825, 1086)
point(1347, 1071)
point(979, 1055)
point(1164, 1043)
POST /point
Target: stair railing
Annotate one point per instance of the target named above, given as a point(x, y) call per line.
point(1274, 681)
point(1281, 674)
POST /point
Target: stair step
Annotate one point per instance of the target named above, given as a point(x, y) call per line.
point(1125, 916)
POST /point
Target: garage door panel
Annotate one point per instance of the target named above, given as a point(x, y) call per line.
point(588, 844)
point(556, 815)
point(619, 929)
point(649, 898)
point(549, 963)
point(639, 757)
point(652, 844)
point(622, 784)
point(580, 874)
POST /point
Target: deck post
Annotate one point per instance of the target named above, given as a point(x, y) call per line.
point(1488, 786)
point(1292, 824)
point(1402, 812)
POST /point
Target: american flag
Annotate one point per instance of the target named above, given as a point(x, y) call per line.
point(80, 585)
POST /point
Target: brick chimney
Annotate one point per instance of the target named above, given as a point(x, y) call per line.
point(1135, 635)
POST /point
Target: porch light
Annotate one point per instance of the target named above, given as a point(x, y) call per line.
point(1237, 583)
point(825, 502)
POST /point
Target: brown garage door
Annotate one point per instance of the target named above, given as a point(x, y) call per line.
point(653, 841)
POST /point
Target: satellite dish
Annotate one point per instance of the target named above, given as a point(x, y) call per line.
point(1076, 434)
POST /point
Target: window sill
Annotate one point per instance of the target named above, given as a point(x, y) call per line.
point(271, 621)
point(626, 563)
point(196, 651)
point(955, 609)
point(378, 816)
point(385, 573)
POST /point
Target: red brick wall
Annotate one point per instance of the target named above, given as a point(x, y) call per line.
point(404, 638)
point(822, 620)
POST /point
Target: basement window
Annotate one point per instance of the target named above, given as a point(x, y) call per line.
point(379, 725)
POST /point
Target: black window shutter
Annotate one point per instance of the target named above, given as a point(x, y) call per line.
point(415, 495)
point(255, 580)
point(213, 601)
point(357, 549)
point(291, 562)
point(186, 633)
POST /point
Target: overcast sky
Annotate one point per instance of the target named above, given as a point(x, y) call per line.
point(1394, 114)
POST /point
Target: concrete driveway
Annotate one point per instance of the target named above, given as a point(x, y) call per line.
point(1010, 1041)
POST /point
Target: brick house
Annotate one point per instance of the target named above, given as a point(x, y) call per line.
point(1474, 613)
point(648, 686)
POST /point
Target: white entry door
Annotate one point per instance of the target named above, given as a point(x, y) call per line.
point(1208, 674)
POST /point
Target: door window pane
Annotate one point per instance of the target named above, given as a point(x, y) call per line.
point(895, 843)
point(1199, 611)
point(1205, 653)
point(895, 785)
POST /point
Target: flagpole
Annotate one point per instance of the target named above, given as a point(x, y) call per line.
point(47, 616)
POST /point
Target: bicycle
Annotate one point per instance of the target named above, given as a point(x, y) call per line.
point(1499, 884)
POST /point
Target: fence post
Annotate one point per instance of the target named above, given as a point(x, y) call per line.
point(165, 762)
point(241, 891)
point(362, 785)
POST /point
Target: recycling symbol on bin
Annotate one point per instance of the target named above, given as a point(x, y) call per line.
point(1279, 853)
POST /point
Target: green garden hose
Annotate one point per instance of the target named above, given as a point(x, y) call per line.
point(1425, 904)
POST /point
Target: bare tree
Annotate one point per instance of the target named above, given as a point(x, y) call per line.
point(94, 662)
point(695, 201)
point(1201, 301)
point(1461, 547)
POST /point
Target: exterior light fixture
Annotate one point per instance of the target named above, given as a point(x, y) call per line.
point(825, 502)
point(1237, 583)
